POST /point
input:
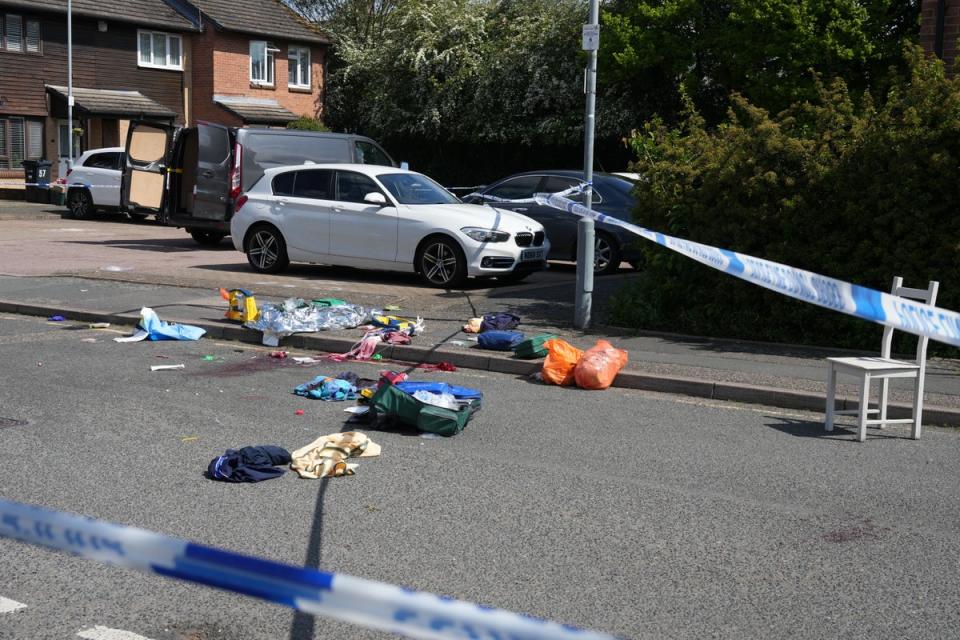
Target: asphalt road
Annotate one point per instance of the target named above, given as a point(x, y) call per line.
point(643, 515)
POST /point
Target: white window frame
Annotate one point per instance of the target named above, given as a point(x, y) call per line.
point(299, 56)
point(270, 63)
point(168, 63)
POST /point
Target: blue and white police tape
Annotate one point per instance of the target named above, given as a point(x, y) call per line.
point(368, 603)
point(913, 317)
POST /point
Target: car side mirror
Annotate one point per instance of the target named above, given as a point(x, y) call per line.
point(375, 198)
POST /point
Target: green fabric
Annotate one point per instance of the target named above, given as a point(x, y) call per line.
point(328, 302)
point(389, 401)
point(533, 347)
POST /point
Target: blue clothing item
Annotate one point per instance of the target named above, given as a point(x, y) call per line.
point(499, 321)
point(327, 388)
point(160, 330)
point(249, 464)
point(460, 393)
point(499, 340)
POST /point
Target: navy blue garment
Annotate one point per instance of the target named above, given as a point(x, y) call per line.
point(249, 464)
point(499, 321)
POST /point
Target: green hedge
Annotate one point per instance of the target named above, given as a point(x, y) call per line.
point(842, 186)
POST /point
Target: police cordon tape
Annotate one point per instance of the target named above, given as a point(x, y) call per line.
point(372, 604)
point(913, 317)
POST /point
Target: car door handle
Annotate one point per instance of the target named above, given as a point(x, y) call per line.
point(337, 209)
point(521, 209)
point(208, 173)
point(281, 201)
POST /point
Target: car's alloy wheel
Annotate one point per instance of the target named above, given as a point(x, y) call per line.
point(266, 250)
point(442, 263)
point(606, 255)
point(80, 204)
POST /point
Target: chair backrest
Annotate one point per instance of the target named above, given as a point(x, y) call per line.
point(928, 296)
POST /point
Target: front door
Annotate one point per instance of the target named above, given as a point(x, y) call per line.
point(145, 167)
point(364, 233)
point(210, 195)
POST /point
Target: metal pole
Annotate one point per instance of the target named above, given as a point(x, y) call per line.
point(69, 84)
point(585, 231)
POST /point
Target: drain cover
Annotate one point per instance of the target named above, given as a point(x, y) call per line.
point(11, 422)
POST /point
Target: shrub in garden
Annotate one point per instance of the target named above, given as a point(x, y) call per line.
point(844, 185)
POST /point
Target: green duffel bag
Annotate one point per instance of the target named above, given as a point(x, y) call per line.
point(390, 402)
point(533, 347)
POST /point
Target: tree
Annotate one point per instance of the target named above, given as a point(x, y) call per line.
point(762, 49)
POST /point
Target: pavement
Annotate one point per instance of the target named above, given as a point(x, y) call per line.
point(778, 375)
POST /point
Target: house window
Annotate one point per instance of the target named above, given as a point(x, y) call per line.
point(261, 62)
point(33, 36)
point(20, 140)
point(13, 33)
point(159, 50)
point(298, 59)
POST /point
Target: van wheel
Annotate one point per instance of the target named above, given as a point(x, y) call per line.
point(266, 251)
point(207, 238)
point(440, 263)
point(80, 203)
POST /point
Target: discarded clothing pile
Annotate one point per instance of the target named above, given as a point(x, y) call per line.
point(496, 331)
point(594, 368)
point(152, 327)
point(295, 315)
point(342, 387)
point(249, 464)
point(382, 329)
point(326, 457)
point(434, 407)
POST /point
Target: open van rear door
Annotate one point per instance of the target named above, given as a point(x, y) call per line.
point(144, 183)
point(210, 195)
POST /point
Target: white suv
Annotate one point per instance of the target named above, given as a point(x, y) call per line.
point(94, 182)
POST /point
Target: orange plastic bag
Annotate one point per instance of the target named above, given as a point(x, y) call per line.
point(599, 365)
point(560, 362)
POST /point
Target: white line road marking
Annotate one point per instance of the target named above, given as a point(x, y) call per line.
point(106, 633)
point(7, 605)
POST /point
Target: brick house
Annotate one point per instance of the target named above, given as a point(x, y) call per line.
point(940, 29)
point(254, 62)
point(127, 62)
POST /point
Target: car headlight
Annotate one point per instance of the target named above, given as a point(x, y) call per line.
point(485, 235)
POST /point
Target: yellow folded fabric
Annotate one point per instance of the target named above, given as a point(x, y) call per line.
point(326, 456)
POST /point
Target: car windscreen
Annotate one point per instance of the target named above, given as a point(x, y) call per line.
point(414, 188)
point(263, 151)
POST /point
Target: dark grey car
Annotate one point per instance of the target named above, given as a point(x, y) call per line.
point(611, 196)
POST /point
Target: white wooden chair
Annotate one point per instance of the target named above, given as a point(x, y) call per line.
point(883, 368)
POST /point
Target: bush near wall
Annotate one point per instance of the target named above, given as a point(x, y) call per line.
point(845, 187)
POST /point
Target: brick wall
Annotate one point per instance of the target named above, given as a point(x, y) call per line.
point(221, 66)
point(951, 29)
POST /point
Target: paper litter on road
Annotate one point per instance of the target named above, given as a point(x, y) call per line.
point(358, 410)
point(137, 337)
point(306, 360)
point(164, 367)
point(99, 325)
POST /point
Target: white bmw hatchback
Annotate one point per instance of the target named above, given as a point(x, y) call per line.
point(374, 217)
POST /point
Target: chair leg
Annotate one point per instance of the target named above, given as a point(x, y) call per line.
point(917, 407)
point(884, 392)
point(831, 396)
point(864, 405)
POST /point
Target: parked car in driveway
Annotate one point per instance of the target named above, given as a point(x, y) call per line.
point(191, 177)
point(611, 196)
point(373, 217)
point(93, 184)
